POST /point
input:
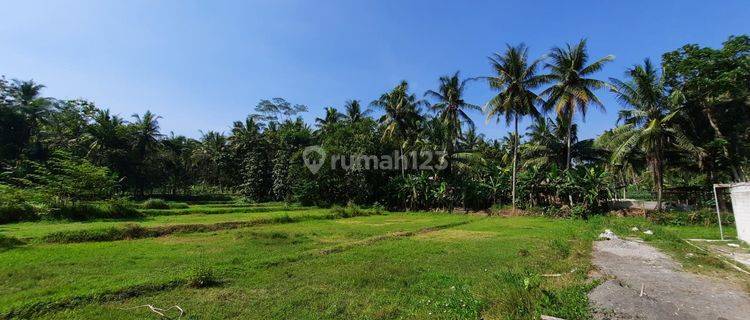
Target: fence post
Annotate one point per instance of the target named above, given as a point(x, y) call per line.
point(718, 214)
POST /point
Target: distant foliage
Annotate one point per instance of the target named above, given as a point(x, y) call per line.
point(64, 178)
point(681, 124)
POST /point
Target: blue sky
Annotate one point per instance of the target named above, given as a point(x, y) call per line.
point(203, 64)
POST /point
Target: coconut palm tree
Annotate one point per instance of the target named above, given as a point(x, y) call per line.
point(548, 144)
point(471, 140)
point(515, 79)
point(354, 111)
point(146, 133)
point(245, 135)
point(332, 117)
point(572, 91)
point(34, 108)
point(105, 134)
point(451, 111)
point(451, 107)
point(648, 116)
point(27, 93)
point(401, 118)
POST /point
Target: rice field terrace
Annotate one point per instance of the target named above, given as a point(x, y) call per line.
point(276, 261)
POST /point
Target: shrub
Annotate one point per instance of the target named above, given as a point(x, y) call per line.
point(580, 212)
point(17, 212)
point(19, 204)
point(378, 208)
point(76, 212)
point(155, 204)
point(351, 210)
point(555, 212)
point(202, 277)
point(120, 209)
point(705, 217)
point(67, 178)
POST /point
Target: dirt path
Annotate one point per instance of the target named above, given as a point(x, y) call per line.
point(668, 292)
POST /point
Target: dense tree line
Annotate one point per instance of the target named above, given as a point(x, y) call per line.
point(685, 123)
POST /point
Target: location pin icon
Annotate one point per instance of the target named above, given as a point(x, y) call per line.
point(314, 157)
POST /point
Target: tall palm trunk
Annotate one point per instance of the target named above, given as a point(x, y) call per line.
point(449, 154)
point(658, 180)
point(660, 173)
point(515, 160)
point(401, 160)
point(569, 138)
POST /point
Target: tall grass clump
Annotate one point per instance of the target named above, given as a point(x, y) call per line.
point(202, 277)
point(155, 204)
point(352, 210)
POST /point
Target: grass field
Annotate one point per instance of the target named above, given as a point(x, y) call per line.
point(308, 263)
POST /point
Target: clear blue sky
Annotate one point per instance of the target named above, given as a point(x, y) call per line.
point(203, 64)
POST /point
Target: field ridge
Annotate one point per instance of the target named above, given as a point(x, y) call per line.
point(134, 231)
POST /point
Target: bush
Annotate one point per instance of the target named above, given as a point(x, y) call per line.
point(351, 210)
point(378, 208)
point(17, 212)
point(76, 212)
point(579, 212)
point(19, 204)
point(120, 209)
point(555, 212)
point(155, 204)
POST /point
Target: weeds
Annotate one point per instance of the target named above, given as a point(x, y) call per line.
point(561, 248)
point(202, 277)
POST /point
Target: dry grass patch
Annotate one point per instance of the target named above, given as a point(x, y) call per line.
point(456, 234)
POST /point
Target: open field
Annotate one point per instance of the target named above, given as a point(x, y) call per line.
point(314, 263)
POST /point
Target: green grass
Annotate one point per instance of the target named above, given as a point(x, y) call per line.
point(41, 228)
point(396, 265)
